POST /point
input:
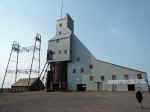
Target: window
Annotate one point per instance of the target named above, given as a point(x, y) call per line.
point(90, 66)
point(102, 78)
point(74, 71)
point(139, 76)
point(57, 41)
point(81, 70)
point(59, 33)
point(59, 52)
point(53, 52)
point(49, 55)
point(113, 77)
point(78, 59)
point(70, 51)
point(91, 78)
point(65, 51)
point(60, 25)
point(126, 77)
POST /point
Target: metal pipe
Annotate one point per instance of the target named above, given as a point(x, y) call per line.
point(39, 56)
point(42, 69)
point(32, 62)
point(17, 63)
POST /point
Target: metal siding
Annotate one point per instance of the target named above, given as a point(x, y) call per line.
point(63, 44)
point(99, 68)
point(79, 50)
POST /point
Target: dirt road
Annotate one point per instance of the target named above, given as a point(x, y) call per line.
point(72, 102)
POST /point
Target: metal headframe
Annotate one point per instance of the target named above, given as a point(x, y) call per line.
point(17, 48)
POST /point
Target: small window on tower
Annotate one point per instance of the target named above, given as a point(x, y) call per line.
point(126, 77)
point(53, 52)
point(139, 76)
point(49, 55)
point(90, 66)
point(102, 78)
point(59, 33)
point(70, 51)
point(60, 25)
point(65, 51)
point(91, 78)
point(57, 41)
point(114, 77)
point(74, 71)
point(59, 51)
point(78, 59)
point(81, 70)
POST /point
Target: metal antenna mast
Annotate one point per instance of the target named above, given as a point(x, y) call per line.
point(61, 8)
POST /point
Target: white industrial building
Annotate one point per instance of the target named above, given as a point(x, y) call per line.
point(73, 67)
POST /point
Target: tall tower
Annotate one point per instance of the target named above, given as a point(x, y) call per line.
point(59, 47)
point(59, 54)
point(65, 26)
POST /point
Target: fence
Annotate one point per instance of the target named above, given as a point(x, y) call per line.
point(13, 90)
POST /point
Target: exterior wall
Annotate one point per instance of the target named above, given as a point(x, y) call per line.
point(58, 47)
point(61, 42)
point(86, 58)
point(99, 68)
point(107, 69)
point(65, 25)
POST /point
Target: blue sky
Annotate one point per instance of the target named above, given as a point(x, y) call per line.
point(115, 31)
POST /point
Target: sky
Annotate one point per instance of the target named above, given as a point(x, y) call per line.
point(115, 31)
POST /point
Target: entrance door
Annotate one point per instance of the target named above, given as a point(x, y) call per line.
point(81, 87)
point(57, 77)
point(55, 87)
point(114, 87)
point(99, 86)
point(131, 87)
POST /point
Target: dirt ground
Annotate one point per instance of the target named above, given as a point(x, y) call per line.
point(72, 102)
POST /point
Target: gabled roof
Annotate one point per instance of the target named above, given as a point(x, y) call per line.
point(121, 66)
point(24, 82)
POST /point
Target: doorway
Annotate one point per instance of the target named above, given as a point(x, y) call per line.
point(131, 87)
point(114, 87)
point(81, 87)
point(99, 86)
point(57, 77)
point(55, 87)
